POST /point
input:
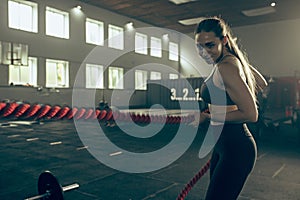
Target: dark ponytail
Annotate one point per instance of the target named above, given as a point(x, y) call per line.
point(221, 29)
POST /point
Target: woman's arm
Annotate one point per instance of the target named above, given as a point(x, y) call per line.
point(239, 92)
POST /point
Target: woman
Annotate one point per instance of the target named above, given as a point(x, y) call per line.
point(235, 152)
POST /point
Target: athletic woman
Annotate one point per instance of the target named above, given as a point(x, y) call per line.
point(234, 154)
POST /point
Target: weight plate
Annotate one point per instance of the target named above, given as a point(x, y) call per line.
point(48, 183)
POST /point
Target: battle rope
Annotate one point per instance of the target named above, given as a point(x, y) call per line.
point(193, 181)
point(22, 110)
point(39, 111)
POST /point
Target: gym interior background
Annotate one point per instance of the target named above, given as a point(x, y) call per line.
point(39, 62)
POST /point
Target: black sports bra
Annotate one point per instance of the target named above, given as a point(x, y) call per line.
point(212, 94)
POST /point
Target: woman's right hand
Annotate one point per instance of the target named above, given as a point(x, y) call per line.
point(200, 118)
point(204, 116)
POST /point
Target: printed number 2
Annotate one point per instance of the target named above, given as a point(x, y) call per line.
point(185, 93)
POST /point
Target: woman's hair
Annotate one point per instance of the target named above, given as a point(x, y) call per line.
point(221, 29)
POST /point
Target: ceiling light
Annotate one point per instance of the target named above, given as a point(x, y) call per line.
point(273, 4)
point(77, 10)
point(166, 36)
point(130, 26)
point(190, 21)
point(177, 2)
point(259, 11)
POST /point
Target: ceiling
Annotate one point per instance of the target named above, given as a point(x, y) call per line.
point(165, 14)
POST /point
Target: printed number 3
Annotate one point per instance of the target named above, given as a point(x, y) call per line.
point(173, 93)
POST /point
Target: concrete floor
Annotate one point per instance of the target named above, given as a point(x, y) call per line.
point(28, 150)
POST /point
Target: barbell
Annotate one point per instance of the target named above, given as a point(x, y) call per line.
point(49, 188)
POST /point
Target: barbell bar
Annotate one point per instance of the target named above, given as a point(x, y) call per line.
point(49, 188)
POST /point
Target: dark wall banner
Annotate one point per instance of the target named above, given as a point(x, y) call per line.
point(168, 93)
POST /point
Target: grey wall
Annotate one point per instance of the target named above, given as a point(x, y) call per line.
point(273, 48)
point(76, 51)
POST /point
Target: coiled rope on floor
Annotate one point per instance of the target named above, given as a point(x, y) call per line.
point(20, 110)
point(193, 181)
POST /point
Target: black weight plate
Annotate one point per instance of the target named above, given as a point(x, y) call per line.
point(48, 182)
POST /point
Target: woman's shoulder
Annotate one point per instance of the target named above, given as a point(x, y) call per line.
point(229, 59)
point(229, 65)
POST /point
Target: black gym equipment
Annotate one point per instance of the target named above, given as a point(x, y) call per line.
point(50, 189)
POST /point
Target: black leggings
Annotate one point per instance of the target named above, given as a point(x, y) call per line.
point(232, 160)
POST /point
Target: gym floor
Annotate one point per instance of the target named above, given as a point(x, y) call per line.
point(28, 149)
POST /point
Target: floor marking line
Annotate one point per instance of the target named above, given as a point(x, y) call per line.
point(250, 198)
point(116, 153)
point(13, 136)
point(32, 139)
point(87, 194)
point(278, 171)
point(81, 148)
point(159, 191)
point(55, 143)
point(163, 170)
point(98, 178)
point(261, 156)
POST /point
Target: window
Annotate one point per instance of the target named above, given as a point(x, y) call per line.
point(173, 51)
point(173, 76)
point(115, 78)
point(22, 15)
point(155, 75)
point(140, 80)
point(94, 76)
point(156, 47)
point(24, 75)
point(57, 23)
point(94, 32)
point(115, 37)
point(57, 73)
point(141, 43)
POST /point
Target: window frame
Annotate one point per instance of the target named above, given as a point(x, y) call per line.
point(141, 43)
point(173, 76)
point(98, 75)
point(137, 84)
point(65, 77)
point(173, 51)
point(32, 67)
point(65, 23)
point(155, 78)
point(154, 50)
point(120, 82)
point(33, 27)
point(115, 39)
point(99, 35)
